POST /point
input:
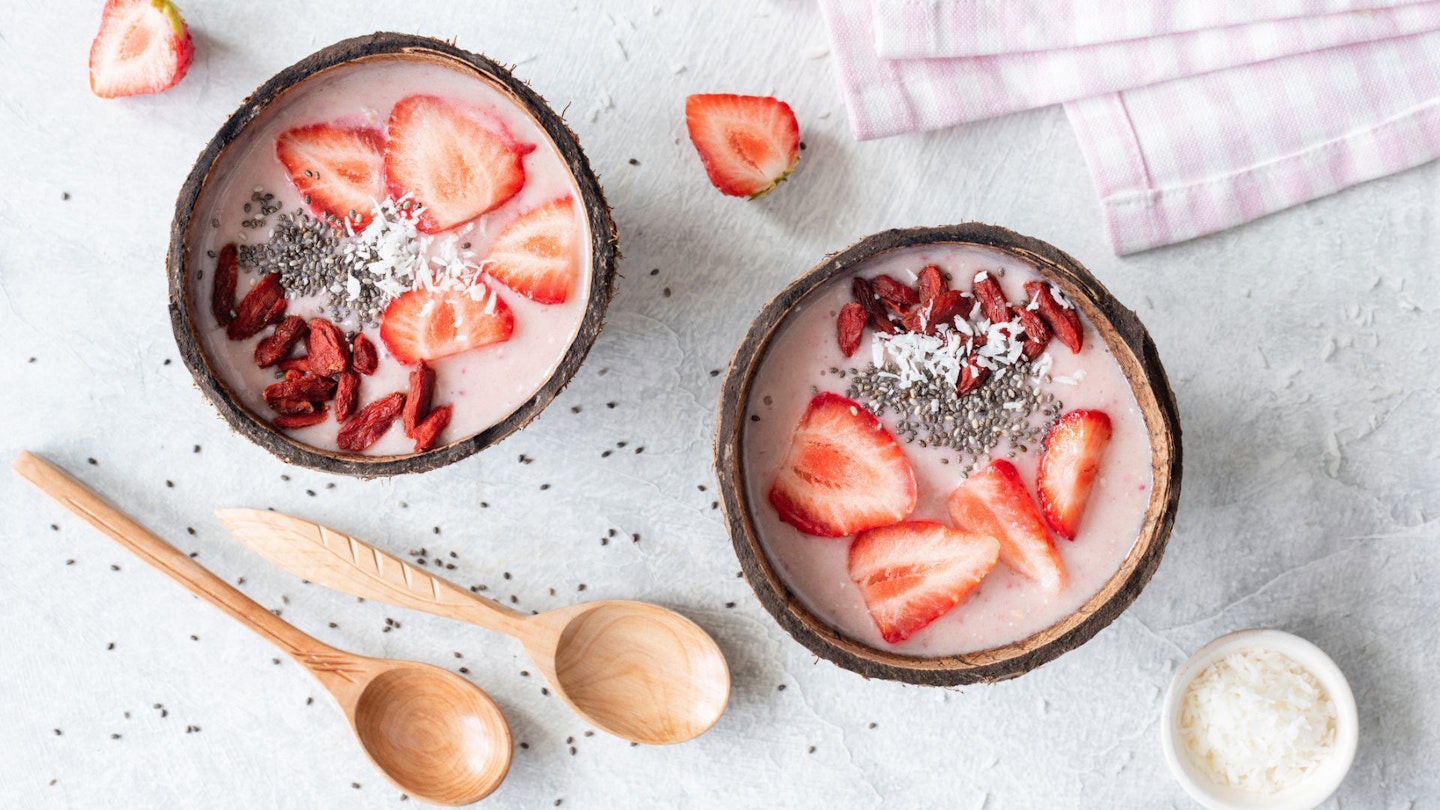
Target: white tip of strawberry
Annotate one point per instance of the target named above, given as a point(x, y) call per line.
point(1068, 467)
point(747, 143)
point(143, 46)
point(843, 473)
point(911, 574)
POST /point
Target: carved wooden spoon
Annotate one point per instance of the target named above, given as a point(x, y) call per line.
point(635, 670)
point(435, 735)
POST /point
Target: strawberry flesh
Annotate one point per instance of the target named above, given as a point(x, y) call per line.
point(535, 255)
point(339, 171)
point(748, 144)
point(426, 325)
point(1068, 467)
point(912, 573)
point(994, 502)
point(843, 473)
point(143, 46)
point(455, 162)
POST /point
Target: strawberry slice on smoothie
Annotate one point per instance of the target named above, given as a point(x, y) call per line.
point(535, 254)
point(844, 473)
point(426, 324)
point(748, 144)
point(994, 502)
point(455, 162)
point(339, 171)
point(1068, 467)
point(912, 573)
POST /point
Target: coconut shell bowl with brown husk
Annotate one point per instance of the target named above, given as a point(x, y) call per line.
point(392, 256)
point(947, 455)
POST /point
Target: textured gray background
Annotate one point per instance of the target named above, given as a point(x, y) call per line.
point(1302, 350)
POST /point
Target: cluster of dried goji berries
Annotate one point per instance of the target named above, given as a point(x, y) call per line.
point(328, 370)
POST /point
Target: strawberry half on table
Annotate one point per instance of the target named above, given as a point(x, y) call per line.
point(456, 162)
point(339, 171)
point(844, 473)
point(1068, 467)
point(426, 325)
point(995, 502)
point(911, 574)
point(747, 143)
point(143, 46)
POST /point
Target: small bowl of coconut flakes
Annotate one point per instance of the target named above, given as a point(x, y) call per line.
point(1259, 718)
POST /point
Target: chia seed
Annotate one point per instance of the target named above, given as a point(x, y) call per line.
point(1007, 409)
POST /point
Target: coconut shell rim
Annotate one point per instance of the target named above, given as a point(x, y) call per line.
point(1156, 400)
point(604, 250)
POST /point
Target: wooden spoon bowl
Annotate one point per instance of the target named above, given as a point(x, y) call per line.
point(425, 726)
point(1131, 346)
point(187, 264)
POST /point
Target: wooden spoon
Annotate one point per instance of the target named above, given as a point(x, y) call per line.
point(435, 735)
point(635, 670)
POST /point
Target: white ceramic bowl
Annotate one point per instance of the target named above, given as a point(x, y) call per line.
point(1310, 791)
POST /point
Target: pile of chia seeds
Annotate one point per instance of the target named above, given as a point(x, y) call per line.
point(1008, 408)
point(311, 259)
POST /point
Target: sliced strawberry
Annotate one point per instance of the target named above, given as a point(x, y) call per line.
point(912, 573)
point(339, 171)
point(844, 472)
point(143, 46)
point(747, 143)
point(455, 161)
point(1068, 467)
point(425, 325)
point(535, 254)
point(994, 502)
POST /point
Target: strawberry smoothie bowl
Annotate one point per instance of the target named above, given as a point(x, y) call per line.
point(947, 455)
point(393, 255)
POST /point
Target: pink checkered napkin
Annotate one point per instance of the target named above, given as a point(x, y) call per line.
point(892, 96)
point(917, 29)
point(1197, 155)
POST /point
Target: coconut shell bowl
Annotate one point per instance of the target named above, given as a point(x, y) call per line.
point(799, 572)
point(530, 166)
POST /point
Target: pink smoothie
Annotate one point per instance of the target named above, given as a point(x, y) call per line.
point(1006, 607)
point(485, 385)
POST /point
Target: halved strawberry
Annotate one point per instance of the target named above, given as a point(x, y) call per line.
point(994, 502)
point(844, 472)
point(535, 254)
point(1068, 467)
point(339, 171)
point(911, 574)
point(456, 162)
point(425, 325)
point(747, 143)
point(143, 46)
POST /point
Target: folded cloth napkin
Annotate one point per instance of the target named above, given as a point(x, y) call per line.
point(911, 29)
point(1268, 136)
point(1305, 103)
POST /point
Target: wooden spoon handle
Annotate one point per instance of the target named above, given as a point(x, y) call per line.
point(79, 499)
point(321, 554)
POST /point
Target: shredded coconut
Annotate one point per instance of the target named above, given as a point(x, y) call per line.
point(1257, 720)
